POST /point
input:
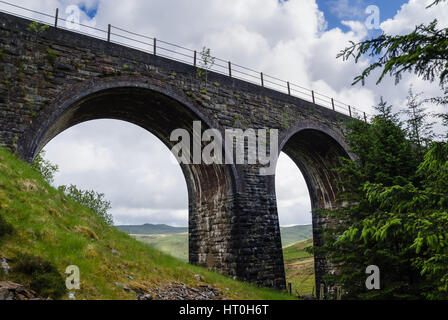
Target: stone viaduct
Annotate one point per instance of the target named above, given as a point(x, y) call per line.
point(58, 79)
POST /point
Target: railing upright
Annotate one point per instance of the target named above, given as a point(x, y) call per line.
point(108, 32)
point(56, 18)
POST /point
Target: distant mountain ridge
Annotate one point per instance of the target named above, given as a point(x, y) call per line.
point(148, 228)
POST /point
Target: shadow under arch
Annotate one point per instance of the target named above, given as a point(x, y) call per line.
point(160, 110)
point(316, 150)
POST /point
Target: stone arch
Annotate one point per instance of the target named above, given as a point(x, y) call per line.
point(158, 109)
point(316, 150)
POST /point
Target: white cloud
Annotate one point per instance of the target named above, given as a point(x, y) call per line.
point(344, 9)
point(414, 13)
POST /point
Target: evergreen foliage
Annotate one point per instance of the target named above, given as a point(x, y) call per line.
point(393, 214)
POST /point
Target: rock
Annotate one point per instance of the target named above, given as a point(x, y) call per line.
point(145, 297)
point(14, 291)
point(130, 277)
point(121, 286)
point(5, 266)
point(5, 295)
point(180, 291)
point(198, 277)
point(71, 296)
point(115, 252)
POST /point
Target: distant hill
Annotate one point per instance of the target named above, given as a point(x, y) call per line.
point(294, 234)
point(151, 229)
point(289, 235)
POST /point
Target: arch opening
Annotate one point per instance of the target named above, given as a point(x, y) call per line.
point(211, 188)
point(294, 214)
point(316, 152)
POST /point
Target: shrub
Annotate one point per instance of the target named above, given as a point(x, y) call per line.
point(90, 199)
point(51, 56)
point(44, 167)
point(45, 278)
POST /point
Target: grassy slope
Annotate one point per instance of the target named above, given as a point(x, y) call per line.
point(299, 267)
point(294, 234)
point(176, 243)
point(299, 264)
point(49, 225)
point(173, 244)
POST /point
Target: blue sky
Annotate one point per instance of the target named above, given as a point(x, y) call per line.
point(356, 10)
point(91, 10)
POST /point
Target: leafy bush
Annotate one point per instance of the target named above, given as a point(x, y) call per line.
point(45, 278)
point(51, 56)
point(44, 167)
point(90, 199)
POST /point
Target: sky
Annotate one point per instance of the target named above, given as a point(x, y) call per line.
point(295, 40)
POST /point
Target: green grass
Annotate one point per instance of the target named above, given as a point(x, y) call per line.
point(294, 234)
point(172, 244)
point(175, 240)
point(299, 267)
point(47, 224)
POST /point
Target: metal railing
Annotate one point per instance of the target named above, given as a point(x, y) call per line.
point(188, 56)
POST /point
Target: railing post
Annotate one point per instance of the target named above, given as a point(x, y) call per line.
point(321, 292)
point(56, 18)
point(195, 54)
point(289, 88)
point(350, 111)
point(365, 117)
point(108, 32)
point(230, 69)
point(312, 93)
point(155, 46)
point(332, 104)
point(262, 80)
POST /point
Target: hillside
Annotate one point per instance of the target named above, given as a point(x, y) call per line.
point(172, 244)
point(174, 240)
point(42, 232)
point(294, 234)
point(151, 229)
point(299, 264)
point(299, 267)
